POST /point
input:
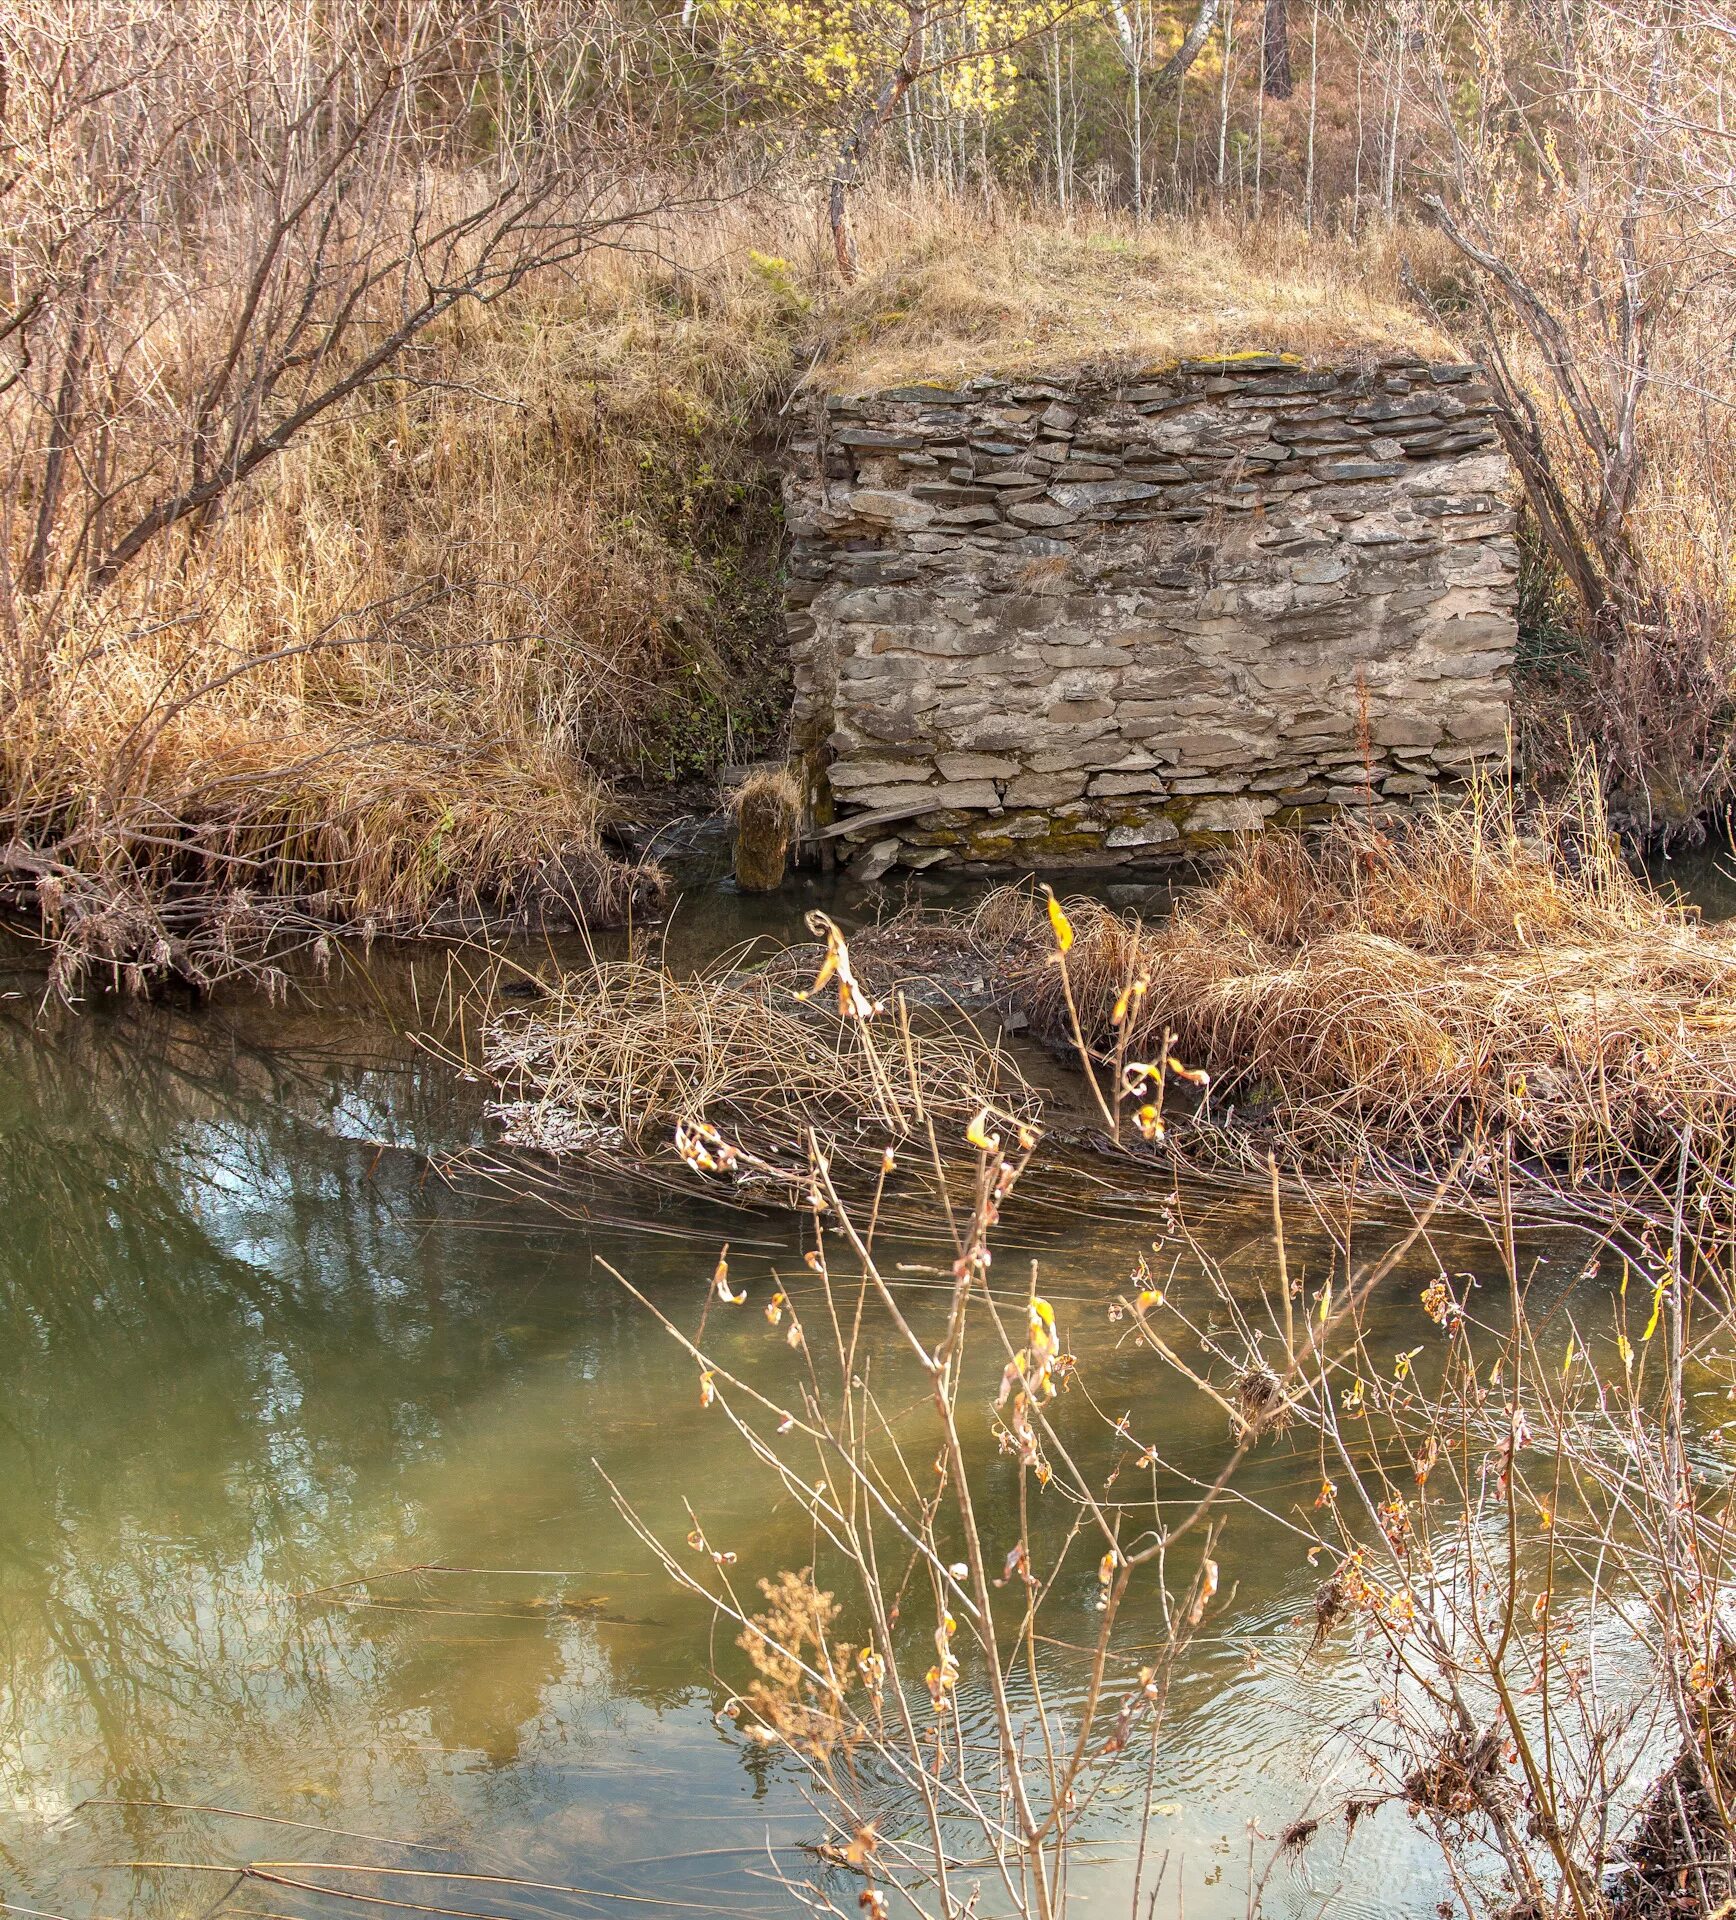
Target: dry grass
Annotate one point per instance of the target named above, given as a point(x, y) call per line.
point(406, 670)
point(768, 808)
point(626, 1053)
point(957, 294)
point(1478, 977)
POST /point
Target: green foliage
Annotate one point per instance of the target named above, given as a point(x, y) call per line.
point(1552, 642)
point(778, 276)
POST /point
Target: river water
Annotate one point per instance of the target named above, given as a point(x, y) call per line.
point(265, 1369)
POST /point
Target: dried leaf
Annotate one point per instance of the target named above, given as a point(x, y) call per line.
point(720, 1282)
point(862, 1845)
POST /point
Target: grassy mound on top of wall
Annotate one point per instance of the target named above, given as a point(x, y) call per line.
point(957, 295)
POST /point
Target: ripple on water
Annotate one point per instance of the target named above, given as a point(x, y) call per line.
point(264, 1371)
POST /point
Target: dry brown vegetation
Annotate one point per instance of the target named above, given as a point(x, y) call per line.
point(365, 525)
point(957, 294)
point(1486, 976)
point(374, 486)
point(735, 1070)
point(405, 671)
point(1585, 181)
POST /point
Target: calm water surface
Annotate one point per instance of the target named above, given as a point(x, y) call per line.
point(262, 1364)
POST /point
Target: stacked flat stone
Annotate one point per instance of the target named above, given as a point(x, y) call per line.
point(1087, 621)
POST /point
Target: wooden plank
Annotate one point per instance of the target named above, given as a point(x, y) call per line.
point(876, 817)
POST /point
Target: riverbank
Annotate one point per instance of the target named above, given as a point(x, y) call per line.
point(1482, 990)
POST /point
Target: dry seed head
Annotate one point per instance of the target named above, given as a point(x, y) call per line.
point(1260, 1400)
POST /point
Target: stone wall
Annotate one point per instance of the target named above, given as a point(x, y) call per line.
point(1074, 620)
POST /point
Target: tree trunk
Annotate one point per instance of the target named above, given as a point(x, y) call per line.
point(1275, 73)
point(853, 148)
point(1188, 52)
point(62, 422)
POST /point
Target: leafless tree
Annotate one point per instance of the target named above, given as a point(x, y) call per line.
point(224, 221)
point(1590, 194)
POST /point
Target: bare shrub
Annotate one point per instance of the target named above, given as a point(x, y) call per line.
point(1587, 189)
point(860, 1682)
point(225, 221)
point(1530, 1537)
point(299, 386)
point(1532, 1556)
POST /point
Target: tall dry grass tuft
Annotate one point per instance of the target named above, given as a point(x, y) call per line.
point(767, 807)
point(735, 1070)
point(1481, 978)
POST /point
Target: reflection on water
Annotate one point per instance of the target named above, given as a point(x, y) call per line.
point(258, 1350)
point(1704, 876)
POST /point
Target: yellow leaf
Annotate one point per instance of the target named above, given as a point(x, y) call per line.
point(720, 1282)
point(1060, 923)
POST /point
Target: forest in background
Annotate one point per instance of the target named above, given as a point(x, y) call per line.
point(383, 390)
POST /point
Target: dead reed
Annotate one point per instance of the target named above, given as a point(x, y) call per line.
point(736, 1073)
point(1477, 976)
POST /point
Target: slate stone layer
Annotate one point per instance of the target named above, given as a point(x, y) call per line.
point(1083, 621)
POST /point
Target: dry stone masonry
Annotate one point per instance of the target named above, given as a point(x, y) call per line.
point(1086, 621)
